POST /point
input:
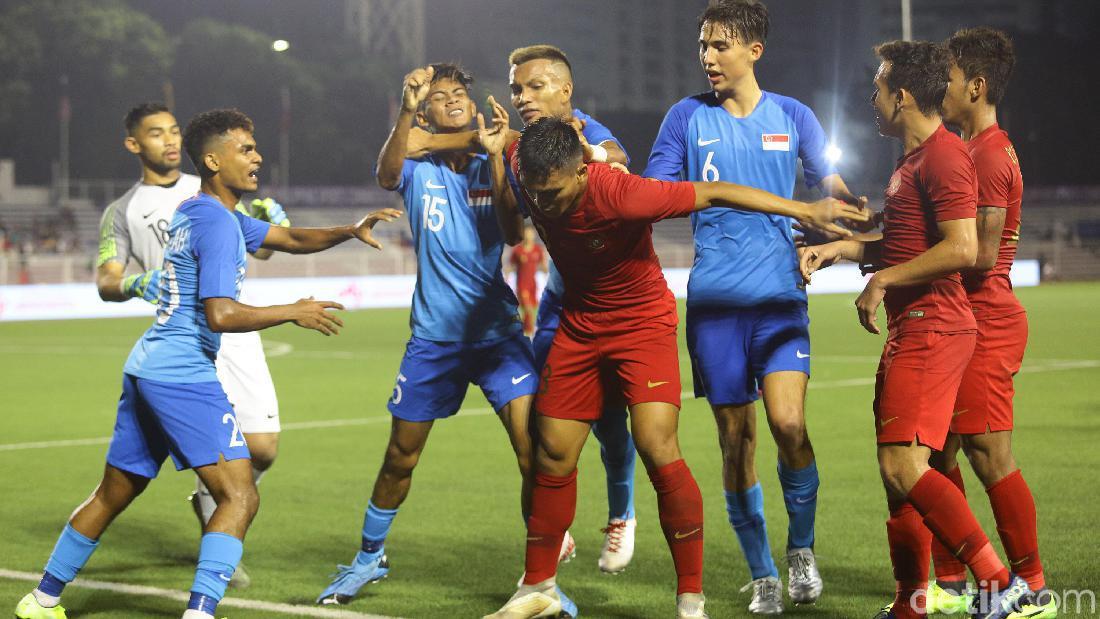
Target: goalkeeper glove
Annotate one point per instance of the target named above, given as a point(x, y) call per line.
point(145, 285)
point(269, 210)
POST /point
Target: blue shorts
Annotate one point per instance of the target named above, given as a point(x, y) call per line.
point(434, 376)
point(541, 344)
point(192, 422)
point(733, 349)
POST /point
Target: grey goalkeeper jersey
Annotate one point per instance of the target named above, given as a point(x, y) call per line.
point(135, 226)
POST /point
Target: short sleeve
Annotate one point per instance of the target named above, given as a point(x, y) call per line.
point(668, 155)
point(596, 133)
point(995, 177)
point(216, 245)
point(635, 198)
point(254, 231)
point(114, 236)
point(950, 185)
point(812, 142)
point(407, 169)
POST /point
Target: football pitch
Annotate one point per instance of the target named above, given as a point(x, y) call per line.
point(456, 548)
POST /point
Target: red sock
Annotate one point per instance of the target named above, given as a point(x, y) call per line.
point(680, 506)
point(909, 541)
point(948, 568)
point(949, 518)
point(553, 506)
point(1014, 510)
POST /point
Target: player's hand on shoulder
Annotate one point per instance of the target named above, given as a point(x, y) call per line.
point(366, 225)
point(618, 167)
point(415, 88)
point(310, 314)
point(495, 137)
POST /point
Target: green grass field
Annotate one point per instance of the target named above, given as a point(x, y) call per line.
point(456, 548)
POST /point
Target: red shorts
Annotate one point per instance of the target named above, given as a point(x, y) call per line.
point(916, 384)
point(641, 365)
point(984, 402)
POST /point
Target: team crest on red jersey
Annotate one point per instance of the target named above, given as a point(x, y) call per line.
point(895, 184)
point(596, 242)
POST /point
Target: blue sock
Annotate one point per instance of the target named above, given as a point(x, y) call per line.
point(376, 526)
point(219, 554)
point(800, 495)
point(746, 513)
point(69, 555)
point(618, 455)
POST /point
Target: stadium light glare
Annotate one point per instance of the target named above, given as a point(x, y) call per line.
point(833, 153)
point(280, 45)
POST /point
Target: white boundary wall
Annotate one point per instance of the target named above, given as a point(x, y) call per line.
point(66, 301)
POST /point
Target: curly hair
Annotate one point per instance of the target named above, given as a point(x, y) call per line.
point(207, 126)
point(921, 68)
point(746, 20)
point(984, 52)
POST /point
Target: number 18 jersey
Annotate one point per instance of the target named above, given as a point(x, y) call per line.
point(136, 225)
point(460, 294)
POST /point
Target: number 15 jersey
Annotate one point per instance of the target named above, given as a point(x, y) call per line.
point(742, 259)
point(460, 294)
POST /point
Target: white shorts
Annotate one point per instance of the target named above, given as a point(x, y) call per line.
point(242, 370)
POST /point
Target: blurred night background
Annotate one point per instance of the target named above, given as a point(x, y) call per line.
point(70, 69)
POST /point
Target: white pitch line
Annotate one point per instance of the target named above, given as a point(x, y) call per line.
point(1041, 365)
point(180, 596)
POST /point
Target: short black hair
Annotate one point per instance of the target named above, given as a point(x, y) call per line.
point(207, 125)
point(984, 52)
point(746, 20)
point(133, 118)
point(920, 67)
point(521, 55)
point(547, 145)
point(447, 71)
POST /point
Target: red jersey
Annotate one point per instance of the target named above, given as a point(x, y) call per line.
point(934, 182)
point(1000, 185)
point(526, 262)
point(604, 246)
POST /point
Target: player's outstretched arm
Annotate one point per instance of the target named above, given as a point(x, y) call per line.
point(494, 139)
point(421, 143)
point(224, 315)
point(267, 210)
point(820, 215)
point(957, 251)
point(313, 240)
point(413, 91)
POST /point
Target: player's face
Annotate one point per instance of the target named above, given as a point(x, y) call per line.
point(957, 98)
point(238, 162)
point(541, 88)
point(884, 103)
point(449, 107)
point(560, 192)
point(725, 60)
point(157, 142)
point(529, 234)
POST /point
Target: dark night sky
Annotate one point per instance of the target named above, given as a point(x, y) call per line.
point(818, 52)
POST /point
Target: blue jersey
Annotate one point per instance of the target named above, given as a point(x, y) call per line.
point(550, 304)
point(742, 259)
point(204, 259)
point(460, 291)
